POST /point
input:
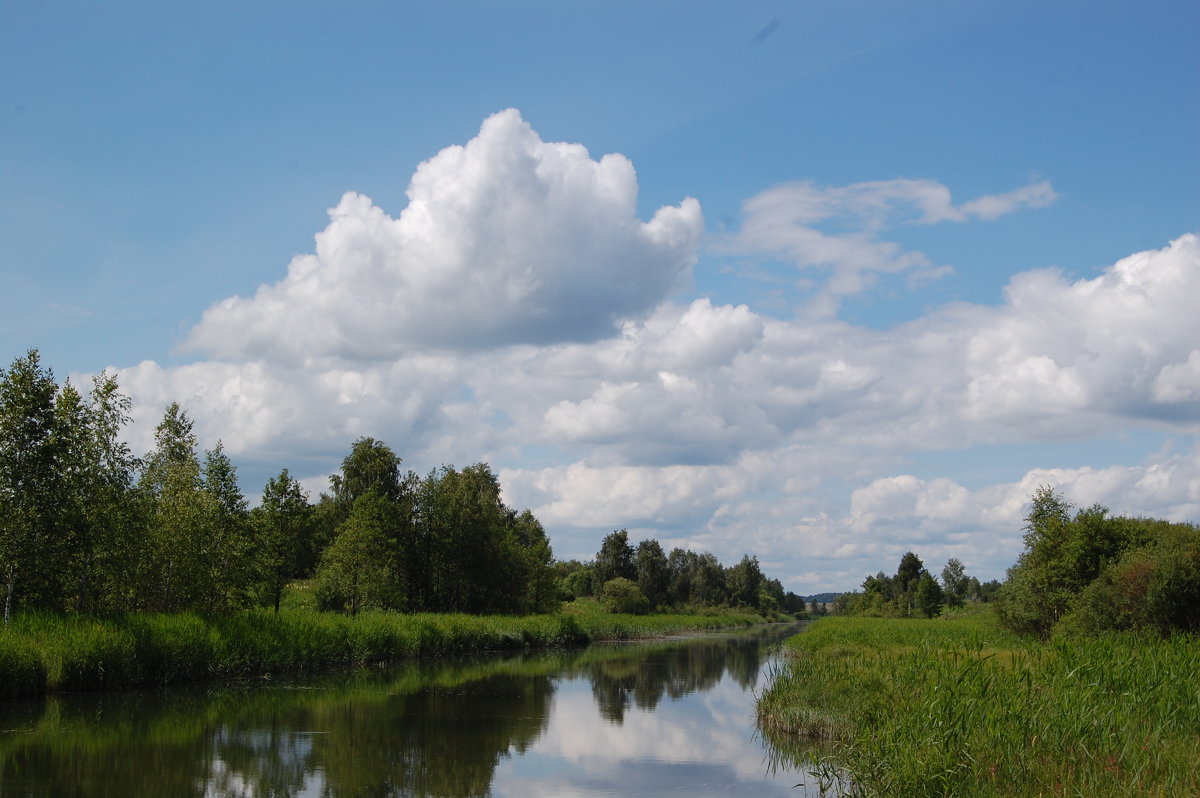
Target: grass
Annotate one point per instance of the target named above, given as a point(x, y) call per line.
point(42, 653)
point(599, 625)
point(958, 707)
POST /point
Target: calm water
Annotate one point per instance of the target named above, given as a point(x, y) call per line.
point(666, 718)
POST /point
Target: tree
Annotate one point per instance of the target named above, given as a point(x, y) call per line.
point(114, 525)
point(28, 481)
point(1062, 556)
point(653, 573)
point(908, 572)
point(682, 566)
point(174, 567)
point(282, 521)
point(708, 586)
point(538, 563)
point(230, 567)
point(771, 596)
point(955, 582)
point(174, 445)
point(577, 581)
point(371, 465)
point(615, 559)
point(356, 571)
point(927, 595)
point(469, 539)
point(743, 582)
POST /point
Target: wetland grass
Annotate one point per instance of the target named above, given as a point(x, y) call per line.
point(49, 653)
point(958, 707)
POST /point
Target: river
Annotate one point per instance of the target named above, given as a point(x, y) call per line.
point(668, 717)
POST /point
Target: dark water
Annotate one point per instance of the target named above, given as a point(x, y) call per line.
point(666, 718)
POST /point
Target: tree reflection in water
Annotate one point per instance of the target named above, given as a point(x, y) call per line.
point(642, 676)
point(436, 729)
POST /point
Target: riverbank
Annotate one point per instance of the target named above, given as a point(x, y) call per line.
point(957, 706)
point(42, 653)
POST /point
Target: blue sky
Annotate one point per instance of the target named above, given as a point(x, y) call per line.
point(852, 282)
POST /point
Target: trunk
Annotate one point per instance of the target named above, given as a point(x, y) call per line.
point(12, 581)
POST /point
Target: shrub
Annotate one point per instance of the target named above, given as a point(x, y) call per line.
point(623, 596)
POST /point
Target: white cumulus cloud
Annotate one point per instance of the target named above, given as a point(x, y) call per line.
point(508, 239)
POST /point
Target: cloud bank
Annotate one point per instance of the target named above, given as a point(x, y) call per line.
point(516, 312)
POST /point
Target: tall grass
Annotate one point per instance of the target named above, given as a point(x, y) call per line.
point(48, 653)
point(960, 708)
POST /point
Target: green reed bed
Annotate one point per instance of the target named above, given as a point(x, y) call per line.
point(599, 624)
point(959, 708)
point(48, 653)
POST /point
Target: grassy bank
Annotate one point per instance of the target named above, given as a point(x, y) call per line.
point(958, 707)
point(48, 653)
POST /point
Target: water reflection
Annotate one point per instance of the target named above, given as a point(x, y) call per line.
point(648, 719)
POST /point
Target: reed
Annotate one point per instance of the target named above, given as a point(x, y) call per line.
point(48, 653)
point(961, 708)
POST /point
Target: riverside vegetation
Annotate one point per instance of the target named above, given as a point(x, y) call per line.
point(1080, 678)
point(117, 570)
point(43, 652)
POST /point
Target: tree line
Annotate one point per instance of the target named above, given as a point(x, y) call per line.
point(915, 592)
point(87, 527)
point(642, 578)
point(1083, 571)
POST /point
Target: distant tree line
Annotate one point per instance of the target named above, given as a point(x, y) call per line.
point(85, 526)
point(642, 578)
point(914, 592)
point(1082, 572)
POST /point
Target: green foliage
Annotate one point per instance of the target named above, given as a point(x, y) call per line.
point(573, 579)
point(615, 559)
point(623, 596)
point(282, 524)
point(955, 582)
point(357, 570)
point(744, 581)
point(370, 466)
point(962, 707)
point(911, 592)
point(653, 572)
point(536, 565)
point(1092, 572)
point(29, 483)
point(928, 595)
point(44, 652)
point(1152, 587)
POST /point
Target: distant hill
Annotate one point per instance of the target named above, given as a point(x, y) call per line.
point(822, 598)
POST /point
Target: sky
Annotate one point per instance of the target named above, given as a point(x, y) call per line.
point(819, 282)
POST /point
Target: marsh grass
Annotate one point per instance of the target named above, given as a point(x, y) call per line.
point(959, 707)
point(49, 653)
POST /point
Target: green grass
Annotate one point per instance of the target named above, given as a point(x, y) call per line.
point(49, 653)
point(599, 624)
point(958, 707)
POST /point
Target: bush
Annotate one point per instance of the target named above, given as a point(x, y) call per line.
point(623, 596)
point(1094, 573)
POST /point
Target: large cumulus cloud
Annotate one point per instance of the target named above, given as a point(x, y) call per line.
point(508, 239)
